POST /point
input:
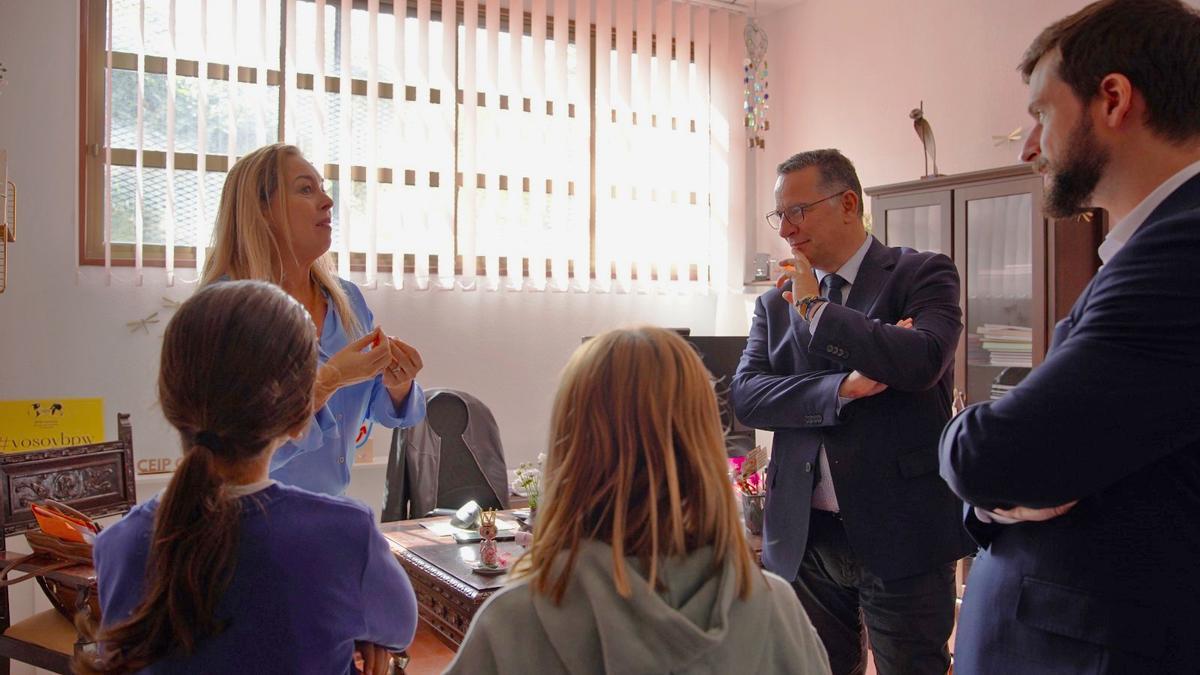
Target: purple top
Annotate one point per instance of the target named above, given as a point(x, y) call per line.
point(313, 575)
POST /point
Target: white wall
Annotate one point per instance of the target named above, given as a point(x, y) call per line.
point(60, 336)
point(846, 74)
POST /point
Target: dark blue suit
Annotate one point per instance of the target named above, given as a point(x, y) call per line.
point(1112, 419)
point(898, 515)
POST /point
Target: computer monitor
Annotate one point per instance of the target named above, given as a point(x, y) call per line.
point(721, 354)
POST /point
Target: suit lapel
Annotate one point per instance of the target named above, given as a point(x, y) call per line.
point(874, 271)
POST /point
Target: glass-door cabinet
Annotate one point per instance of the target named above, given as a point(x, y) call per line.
point(922, 221)
point(991, 224)
point(1000, 251)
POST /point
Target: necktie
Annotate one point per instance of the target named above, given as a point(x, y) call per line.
point(824, 497)
point(835, 284)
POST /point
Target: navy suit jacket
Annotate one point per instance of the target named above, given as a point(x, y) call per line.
point(1112, 419)
point(899, 516)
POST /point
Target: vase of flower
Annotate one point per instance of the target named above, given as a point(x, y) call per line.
point(752, 512)
point(750, 485)
point(528, 483)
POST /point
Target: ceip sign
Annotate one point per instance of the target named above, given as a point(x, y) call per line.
point(157, 465)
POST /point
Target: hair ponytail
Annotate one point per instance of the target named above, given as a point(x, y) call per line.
point(247, 337)
point(189, 568)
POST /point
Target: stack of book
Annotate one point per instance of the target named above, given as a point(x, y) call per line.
point(976, 354)
point(1006, 381)
point(1006, 345)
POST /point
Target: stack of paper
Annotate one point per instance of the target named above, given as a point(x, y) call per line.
point(443, 528)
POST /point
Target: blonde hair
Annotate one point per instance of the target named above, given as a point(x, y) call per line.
point(246, 246)
point(636, 461)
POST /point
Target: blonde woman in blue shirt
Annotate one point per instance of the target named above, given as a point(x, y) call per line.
point(274, 224)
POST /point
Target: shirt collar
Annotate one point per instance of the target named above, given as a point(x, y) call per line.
point(249, 488)
point(849, 270)
point(1137, 217)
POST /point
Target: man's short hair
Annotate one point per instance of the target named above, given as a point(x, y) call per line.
point(835, 169)
point(1154, 43)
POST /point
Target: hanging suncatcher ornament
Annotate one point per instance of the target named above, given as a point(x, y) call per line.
point(756, 99)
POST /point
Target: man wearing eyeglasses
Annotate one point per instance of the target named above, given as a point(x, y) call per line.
point(850, 362)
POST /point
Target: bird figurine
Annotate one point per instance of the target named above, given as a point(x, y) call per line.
point(925, 133)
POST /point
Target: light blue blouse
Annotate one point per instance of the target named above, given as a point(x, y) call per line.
point(321, 460)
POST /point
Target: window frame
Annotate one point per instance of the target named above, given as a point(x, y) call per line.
point(92, 122)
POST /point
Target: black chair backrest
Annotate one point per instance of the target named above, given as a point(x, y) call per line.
point(459, 477)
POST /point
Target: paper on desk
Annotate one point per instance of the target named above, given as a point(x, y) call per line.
point(443, 528)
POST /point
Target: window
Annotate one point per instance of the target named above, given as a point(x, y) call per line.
point(495, 148)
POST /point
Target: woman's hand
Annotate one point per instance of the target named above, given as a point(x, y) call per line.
point(401, 370)
point(352, 365)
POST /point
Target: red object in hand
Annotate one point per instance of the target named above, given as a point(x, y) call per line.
point(378, 337)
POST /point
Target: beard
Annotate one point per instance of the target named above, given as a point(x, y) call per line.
point(1074, 179)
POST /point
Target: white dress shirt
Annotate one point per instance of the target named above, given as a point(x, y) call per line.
point(824, 496)
point(1137, 217)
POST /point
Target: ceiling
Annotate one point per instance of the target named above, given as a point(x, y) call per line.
point(761, 7)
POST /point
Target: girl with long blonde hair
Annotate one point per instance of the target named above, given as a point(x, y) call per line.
point(639, 563)
point(275, 224)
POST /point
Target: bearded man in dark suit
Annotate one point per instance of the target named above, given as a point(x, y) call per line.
point(1084, 481)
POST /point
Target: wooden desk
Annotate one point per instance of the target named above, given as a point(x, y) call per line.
point(448, 592)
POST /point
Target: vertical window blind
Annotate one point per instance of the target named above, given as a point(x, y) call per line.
point(526, 145)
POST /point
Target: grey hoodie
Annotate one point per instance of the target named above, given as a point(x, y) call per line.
point(697, 625)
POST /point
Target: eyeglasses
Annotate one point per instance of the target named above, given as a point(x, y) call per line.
point(795, 213)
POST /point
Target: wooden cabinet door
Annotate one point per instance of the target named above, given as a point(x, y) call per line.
point(921, 221)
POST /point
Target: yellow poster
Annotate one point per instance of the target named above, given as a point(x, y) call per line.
point(50, 423)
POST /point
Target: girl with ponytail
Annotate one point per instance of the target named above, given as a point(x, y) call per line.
point(227, 570)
